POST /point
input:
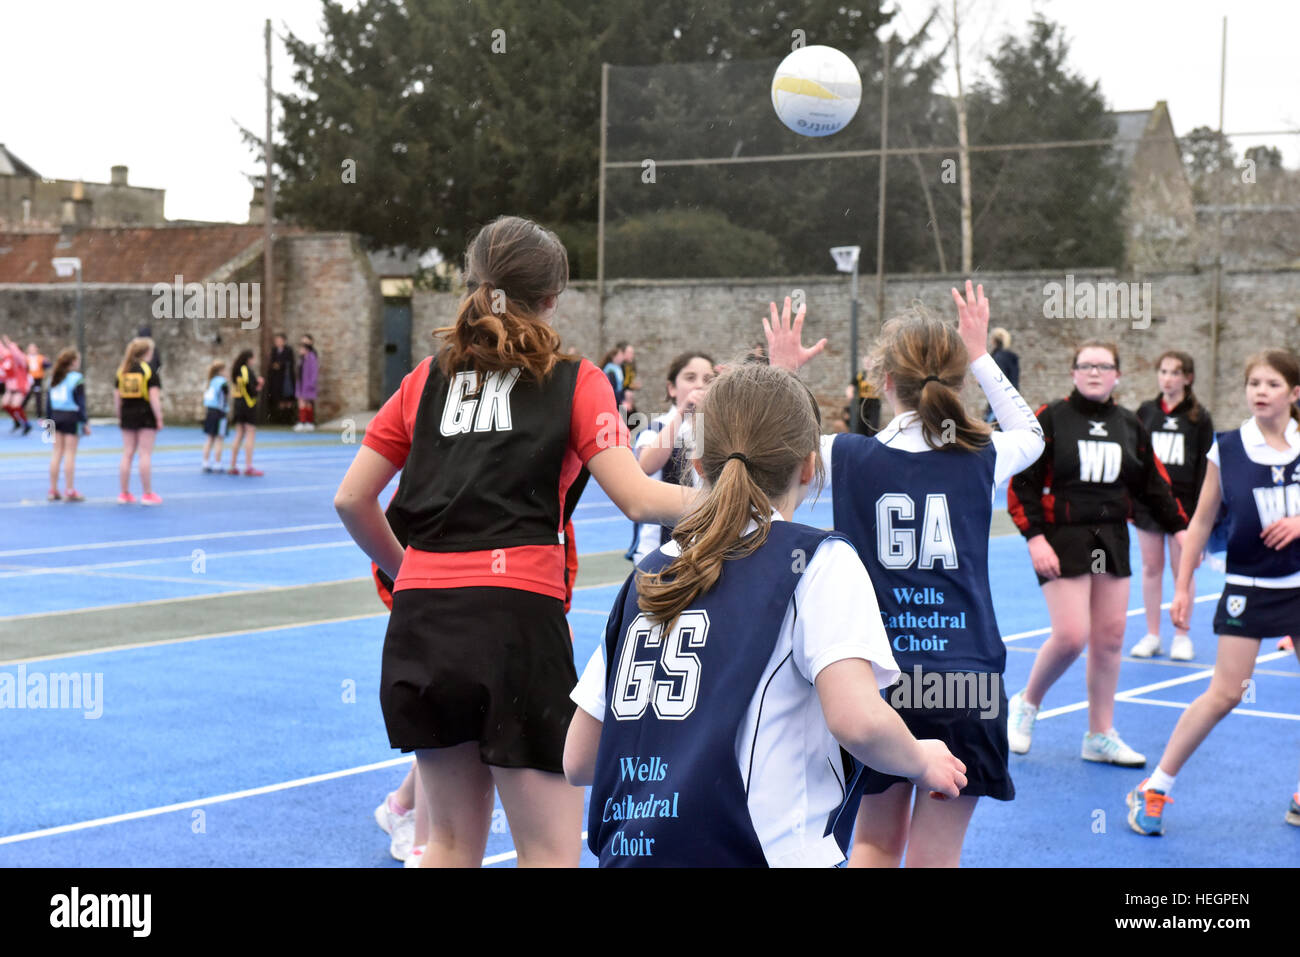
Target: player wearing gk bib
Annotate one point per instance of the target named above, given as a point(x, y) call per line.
point(1072, 507)
point(1255, 472)
point(917, 501)
point(491, 434)
point(67, 401)
point(1181, 434)
point(661, 449)
point(738, 654)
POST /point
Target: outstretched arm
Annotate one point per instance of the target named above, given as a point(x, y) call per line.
point(785, 339)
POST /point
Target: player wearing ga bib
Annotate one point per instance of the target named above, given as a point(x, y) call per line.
point(1261, 593)
point(68, 403)
point(714, 750)
point(1181, 445)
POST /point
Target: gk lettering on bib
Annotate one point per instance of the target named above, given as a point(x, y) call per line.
point(469, 409)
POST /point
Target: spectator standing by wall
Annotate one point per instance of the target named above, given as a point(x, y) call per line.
point(308, 368)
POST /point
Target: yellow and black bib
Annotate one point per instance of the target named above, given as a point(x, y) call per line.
point(135, 384)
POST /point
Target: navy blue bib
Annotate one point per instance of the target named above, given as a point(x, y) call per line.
point(920, 522)
point(1255, 496)
point(667, 790)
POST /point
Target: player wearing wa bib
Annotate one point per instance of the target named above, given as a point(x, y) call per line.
point(713, 749)
point(1261, 594)
point(1181, 445)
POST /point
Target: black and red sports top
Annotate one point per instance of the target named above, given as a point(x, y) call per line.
point(1098, 459)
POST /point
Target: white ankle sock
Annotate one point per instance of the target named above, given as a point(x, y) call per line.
point(1159, 781)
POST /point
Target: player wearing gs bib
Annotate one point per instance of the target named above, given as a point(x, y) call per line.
point(1181, 434)
point(490, 435)
point(67, 401)
point(917, 501)
point(734, 659)
point(1072, 507)
point(1255, 472)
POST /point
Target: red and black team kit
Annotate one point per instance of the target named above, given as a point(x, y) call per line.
point(1098, 462)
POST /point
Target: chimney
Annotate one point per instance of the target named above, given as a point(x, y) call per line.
point(118, 176)
point(256, 208)
point(68, 212)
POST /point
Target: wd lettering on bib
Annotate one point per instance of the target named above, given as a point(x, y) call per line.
point(486, 411)
point(1169, 447)
point(1099, 461)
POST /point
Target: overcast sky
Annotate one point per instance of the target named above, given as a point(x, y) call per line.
point(159, 85)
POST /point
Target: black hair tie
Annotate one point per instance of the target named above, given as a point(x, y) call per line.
point(929, 379)
point(736, 455)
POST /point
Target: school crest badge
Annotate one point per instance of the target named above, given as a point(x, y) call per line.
point(1236, 605)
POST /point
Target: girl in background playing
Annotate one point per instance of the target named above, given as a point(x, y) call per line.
point(67, 402)
point(916, 500)
point(1182, 433)
point(247, 385)
point(1255, 470)
point(215, 397)
point(735, 658)
point(137, 400)
point(1072, 507)
point(662, 448)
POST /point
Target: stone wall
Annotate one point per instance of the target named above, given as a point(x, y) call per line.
point(662, 318)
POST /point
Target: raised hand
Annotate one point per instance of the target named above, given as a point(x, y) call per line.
point(973, 320)
point(785, 340)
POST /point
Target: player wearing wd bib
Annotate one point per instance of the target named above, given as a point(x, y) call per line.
point(680, 786)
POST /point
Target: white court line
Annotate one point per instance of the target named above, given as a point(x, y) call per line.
point(245, 586)
point(25, 571)
point(129, 543)
point(1182, 705)
point(107, 468)
point(201, 802)
point(1155, 686)
point(167, 601)
point(1131, 612)
point(42, 503)
point(180, 641)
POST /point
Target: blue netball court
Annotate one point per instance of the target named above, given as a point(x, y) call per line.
point(208, 677)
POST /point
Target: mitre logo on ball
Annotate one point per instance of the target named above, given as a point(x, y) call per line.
point(816, 91)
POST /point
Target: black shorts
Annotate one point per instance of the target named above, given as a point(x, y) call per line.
point(1143, 519)
point(241, 413)
point(1090, 549)
point(212, 422)
point(976, 736)
point(1249, 612)
point(66, 423)
point(492, 665)
point(137, 414)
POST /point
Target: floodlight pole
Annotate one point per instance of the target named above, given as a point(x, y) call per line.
point(81, 327)
point(846, 260)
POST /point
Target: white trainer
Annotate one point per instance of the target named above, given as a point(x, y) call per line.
point(417, 855)
point(403, 837)
point(1020, 723)
point(1148, 647)
point(1109, 748)
point(1182, 649)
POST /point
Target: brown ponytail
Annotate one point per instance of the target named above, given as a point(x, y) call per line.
point(62, 364)
point(136, 350)
point(927, 361)
point(763, 413)
point(512, 266)
point(1284, 363)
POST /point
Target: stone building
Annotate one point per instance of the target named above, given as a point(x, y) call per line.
point(30, 201)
